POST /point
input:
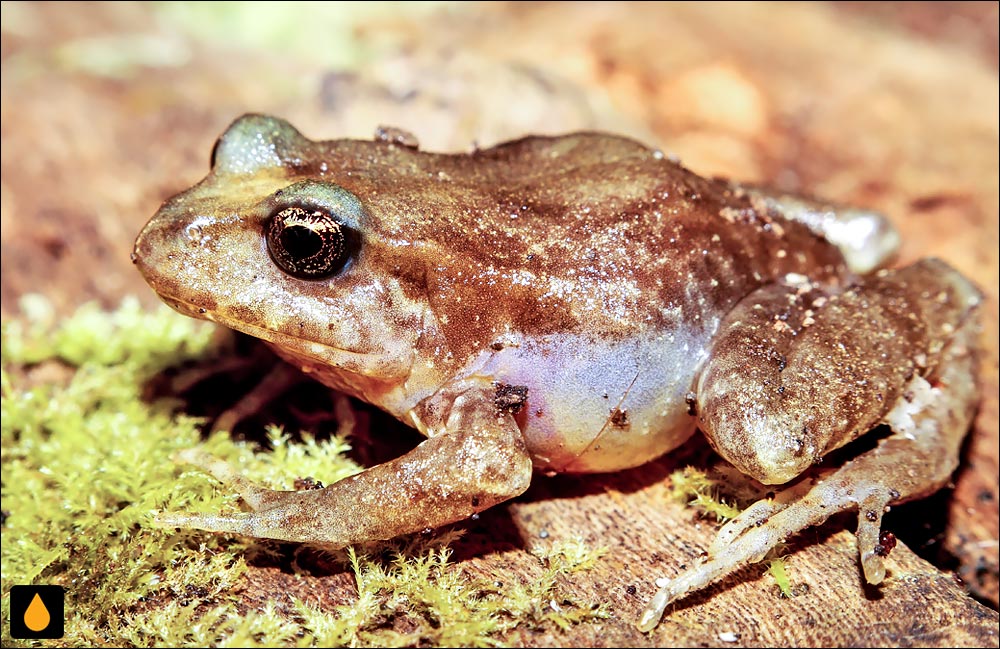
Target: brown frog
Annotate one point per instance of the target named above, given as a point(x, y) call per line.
point(569, 304)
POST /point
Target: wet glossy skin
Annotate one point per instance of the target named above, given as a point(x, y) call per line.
point(577, 303)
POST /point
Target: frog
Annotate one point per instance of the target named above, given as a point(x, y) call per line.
point(579, 303)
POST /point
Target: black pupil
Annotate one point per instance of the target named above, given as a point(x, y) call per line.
point(301, 242)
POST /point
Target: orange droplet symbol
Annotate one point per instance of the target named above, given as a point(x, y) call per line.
point(37, 616)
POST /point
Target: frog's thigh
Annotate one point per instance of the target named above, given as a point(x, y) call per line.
point(929, 418)
point(478, 462)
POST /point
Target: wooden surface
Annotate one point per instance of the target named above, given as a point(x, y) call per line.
point(108, 109)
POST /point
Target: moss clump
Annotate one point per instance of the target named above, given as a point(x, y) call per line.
point(703, 493)
point(86, 465)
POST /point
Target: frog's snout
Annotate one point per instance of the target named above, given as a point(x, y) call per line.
point(147, 252)
point(158, 255)
point(140, 254)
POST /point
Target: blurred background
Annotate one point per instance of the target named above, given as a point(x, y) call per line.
point(109, 108)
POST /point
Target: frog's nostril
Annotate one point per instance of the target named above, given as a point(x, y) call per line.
point(143, 255)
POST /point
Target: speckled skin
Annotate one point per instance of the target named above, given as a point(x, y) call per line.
point(622, 298)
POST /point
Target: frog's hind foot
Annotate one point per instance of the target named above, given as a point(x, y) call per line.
point(744, 540)
point(757, 514)
point(768, 523)
point(761, 512)
point(928, 425)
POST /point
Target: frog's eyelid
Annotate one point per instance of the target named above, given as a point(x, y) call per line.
point(327, 197)
point(340, 216)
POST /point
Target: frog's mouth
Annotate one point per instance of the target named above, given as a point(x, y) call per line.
point(327, 356)
point(375, 378)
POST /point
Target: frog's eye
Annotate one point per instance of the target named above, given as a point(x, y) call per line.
point(307, 243)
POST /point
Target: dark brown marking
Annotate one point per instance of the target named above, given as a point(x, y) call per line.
point(510, 398)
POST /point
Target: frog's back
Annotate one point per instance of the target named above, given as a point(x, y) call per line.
point(587, 232)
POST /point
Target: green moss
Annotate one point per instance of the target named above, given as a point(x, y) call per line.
point(440, 605)
point(703, 493)
point(542, 601)
point(776, 566)
point(86, 465)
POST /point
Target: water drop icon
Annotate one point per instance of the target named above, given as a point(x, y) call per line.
point(37, 617)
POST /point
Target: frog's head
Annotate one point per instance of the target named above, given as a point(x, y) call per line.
point(270, 245)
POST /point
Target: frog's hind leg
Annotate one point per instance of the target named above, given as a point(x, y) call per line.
point(866, 239)
point(929, 410)
point(927, 432)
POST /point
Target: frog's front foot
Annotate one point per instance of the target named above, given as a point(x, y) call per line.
point(479, 461)
point(257, 498)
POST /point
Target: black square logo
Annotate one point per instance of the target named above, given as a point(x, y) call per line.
point(36, 612)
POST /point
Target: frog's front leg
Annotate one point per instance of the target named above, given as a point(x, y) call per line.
point(479, 460)
point(798, 370)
